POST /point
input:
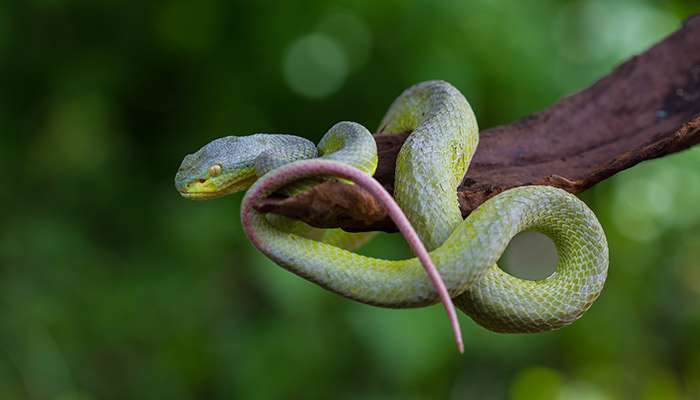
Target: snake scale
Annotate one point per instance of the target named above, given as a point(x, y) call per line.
point(462, 258)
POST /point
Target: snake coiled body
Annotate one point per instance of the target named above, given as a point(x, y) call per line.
point(430, 166)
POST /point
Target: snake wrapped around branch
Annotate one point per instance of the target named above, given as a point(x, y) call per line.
point(461, 264)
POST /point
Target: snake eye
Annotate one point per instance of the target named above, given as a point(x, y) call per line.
point(215, 170)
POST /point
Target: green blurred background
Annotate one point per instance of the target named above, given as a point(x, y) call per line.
point(114, 287)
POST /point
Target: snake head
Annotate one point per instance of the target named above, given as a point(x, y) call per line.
point(233, 163)
point(224, 166)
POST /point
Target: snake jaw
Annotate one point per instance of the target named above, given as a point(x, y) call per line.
point(213, 187)
point(199, 189)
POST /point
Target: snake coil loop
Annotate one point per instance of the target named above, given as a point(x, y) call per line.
point(430, 166)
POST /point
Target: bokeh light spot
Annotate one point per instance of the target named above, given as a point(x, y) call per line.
point(635, 205)
point(536, 383)
point(352, 32)
point(529, 255)
point(316, 66)
point(591, 31)
point(77, 138)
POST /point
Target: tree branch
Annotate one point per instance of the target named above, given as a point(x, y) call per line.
point(646, 108)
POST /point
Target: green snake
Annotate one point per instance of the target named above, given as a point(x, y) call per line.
point(429, 168)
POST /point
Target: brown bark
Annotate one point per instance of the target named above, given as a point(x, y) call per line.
point(646, 108)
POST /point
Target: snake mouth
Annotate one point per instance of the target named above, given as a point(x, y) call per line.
point(206, 188)
point(198, 195)
point(198, 189)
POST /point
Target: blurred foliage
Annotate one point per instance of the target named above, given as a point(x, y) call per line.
point(114, 287)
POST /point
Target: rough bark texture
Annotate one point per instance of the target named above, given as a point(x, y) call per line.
point(646, 108)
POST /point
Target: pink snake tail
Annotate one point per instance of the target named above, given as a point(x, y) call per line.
point(297, 170)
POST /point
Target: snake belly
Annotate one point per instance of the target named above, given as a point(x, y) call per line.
point(430, 166)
